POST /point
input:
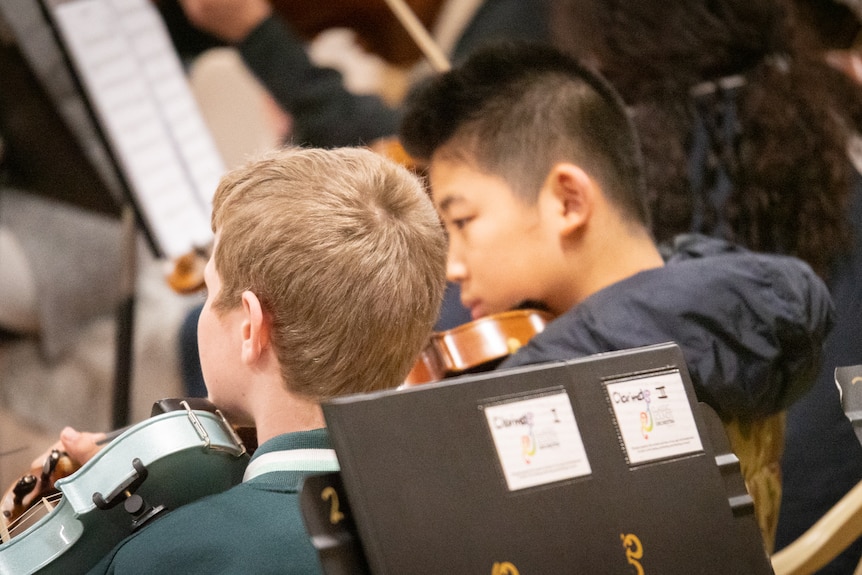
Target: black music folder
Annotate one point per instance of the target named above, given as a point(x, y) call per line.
point(599, 465)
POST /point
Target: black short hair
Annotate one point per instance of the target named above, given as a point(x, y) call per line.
point(517, 109)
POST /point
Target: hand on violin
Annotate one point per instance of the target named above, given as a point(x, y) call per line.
point(73, 449)
point(230, 20)
point(80, 446)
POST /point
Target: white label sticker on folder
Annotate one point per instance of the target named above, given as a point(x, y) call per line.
point(654, 417)
point(537, 440)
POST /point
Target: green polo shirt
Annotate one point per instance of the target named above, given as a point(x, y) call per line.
point(253, 528)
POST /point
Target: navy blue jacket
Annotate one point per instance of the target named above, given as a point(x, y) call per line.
point(751, 326)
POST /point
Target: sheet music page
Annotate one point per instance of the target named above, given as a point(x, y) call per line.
point(135, 82)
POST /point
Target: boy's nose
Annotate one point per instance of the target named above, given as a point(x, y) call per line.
point(456, 271)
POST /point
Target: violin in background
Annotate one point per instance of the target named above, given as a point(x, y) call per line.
point(476, 346)
point(187, 274)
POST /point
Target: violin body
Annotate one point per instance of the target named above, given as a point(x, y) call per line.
point(476, 346)
point(159, 464)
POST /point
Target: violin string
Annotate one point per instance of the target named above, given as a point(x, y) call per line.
point(26, 519)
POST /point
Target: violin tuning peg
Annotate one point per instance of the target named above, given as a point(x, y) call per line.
point(50, 464)
point(23, 488)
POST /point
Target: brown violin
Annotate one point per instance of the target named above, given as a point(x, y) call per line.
point(476, 346)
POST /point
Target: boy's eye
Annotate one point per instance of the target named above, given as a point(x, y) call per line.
point(460, 223)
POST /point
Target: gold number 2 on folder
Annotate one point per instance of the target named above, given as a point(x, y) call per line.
point(332, 495)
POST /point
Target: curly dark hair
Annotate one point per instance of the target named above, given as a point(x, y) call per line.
point(780, 155)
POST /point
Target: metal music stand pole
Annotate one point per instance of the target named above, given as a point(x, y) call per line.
point(125, 322)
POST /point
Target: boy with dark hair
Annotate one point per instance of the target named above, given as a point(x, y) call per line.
point(536, 171)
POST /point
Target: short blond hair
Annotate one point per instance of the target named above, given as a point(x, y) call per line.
point(346, 253)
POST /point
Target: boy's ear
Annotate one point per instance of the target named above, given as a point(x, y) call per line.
point(255, 328)
point(574, 195)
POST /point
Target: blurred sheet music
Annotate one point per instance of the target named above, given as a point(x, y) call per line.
point(136, 85)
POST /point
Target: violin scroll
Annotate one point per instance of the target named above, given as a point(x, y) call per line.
point(33, 487)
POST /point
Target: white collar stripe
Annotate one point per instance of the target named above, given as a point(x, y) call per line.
point(322, 460)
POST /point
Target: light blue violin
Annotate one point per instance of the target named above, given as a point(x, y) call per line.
point(152, 467)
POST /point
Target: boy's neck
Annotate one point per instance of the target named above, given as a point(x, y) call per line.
point(614, 256)
point(284, 412)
